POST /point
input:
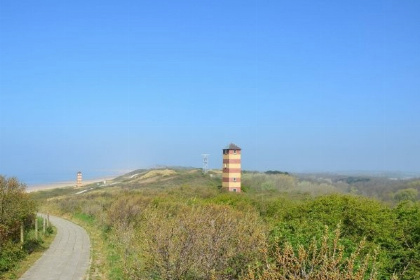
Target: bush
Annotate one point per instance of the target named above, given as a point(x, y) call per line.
point(16, 209)
point(49, 230)
point(10, 254)
point(31, 245)
point(323, 259)
point(191, 243)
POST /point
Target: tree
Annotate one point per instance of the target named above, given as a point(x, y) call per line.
point(406, 194)
point(15, 208)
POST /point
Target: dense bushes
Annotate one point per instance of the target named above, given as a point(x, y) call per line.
point(10, 254)
point(183, 239)
point(404, 244)
point(199, 242)
point(273, 233)
point(392, 231)
point(324, 258)
point(16, 209)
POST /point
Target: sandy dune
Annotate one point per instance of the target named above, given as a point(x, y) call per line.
point(40, 187)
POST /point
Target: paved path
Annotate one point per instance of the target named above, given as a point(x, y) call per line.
point(68, 256)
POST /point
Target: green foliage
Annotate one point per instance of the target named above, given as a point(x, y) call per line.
point(414, 184)
point(406, 252)
point(393, 230)
point(273, 172)
point(45, 194)
point(197, 242)
point(31, 245)
point(16, 209)
point(258, 182)
point(10, 254)
point(360, 217)
point(238, 201)
point(352, 180)
point(323, 258)
point(49, 230)
point(406, 194)
point(181, 226)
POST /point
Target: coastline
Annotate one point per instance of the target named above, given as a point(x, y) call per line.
point(64, 184)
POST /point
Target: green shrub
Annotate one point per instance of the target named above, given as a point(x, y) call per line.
point(10, 254)
point(31, 245)
point(49, 230)
point(324, 258)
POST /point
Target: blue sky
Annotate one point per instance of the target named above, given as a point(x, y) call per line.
point(107, 86)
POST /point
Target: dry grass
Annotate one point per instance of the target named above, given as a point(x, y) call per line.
point(156, 173)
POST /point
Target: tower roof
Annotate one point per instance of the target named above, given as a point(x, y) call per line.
point(232, 146)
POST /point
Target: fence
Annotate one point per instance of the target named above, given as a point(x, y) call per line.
point(45, 225)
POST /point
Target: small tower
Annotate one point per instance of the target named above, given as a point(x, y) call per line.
point(79, 179)
point(232, 168)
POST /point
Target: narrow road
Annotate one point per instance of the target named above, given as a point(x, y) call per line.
point(68, 256)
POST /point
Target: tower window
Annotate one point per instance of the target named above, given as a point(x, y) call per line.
point(234, 179)
point(234, 152)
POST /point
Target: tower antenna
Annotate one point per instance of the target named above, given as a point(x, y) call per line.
point(205, 163)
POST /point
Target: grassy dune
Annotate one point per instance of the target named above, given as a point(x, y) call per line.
point(179, 224)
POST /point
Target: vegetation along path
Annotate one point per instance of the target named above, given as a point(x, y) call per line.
point(68, 256)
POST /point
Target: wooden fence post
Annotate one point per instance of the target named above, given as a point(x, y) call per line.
point(48, 219)
point(36, 228)
point(21, 233)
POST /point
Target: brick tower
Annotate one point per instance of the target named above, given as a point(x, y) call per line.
point(79, 179)
point(232, 168)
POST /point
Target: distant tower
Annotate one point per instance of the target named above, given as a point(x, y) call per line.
point(205, 163)
point(232, 168)
point(79, 179)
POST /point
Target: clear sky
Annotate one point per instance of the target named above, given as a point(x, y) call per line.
point(106, 86)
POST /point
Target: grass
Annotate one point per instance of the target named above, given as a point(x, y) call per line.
point(102, 253)
point(114, 271)
point(154, 173)
point(26, 263)
point(45, 194)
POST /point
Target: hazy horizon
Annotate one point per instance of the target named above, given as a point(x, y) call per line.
point(32, 180)
point(101, 86)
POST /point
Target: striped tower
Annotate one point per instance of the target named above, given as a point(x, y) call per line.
point(232, 168)
point(79, 179)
